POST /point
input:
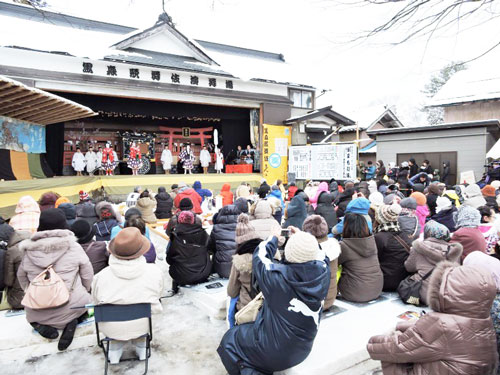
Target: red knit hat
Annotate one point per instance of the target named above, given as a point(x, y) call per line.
point(83, 195)
point(488, 191)
point(186, 217)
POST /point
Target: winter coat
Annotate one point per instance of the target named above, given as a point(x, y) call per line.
point(172, 223)
point(128, 282)
point(474, 197)
point(457, 338)
point(6, 231)
point(361, 279)
point(27, 215)
point(334, 189)
point(392, 256)
point(409, 225)
point(296, 212)
point(227, 195)
point(424, 255)
point(322, 188)
point(59, 248)
point(359, 206)
point(147, 206)
point(422, 212)
point(13, 258)
point(203, 193)
point(331, 248)
point(264, 223)
point(98, 254)
point(446, 173)
point(413, 168)
point(276, 194)
point(86, 211)
point(343, 200)
point(325, 209)
point(223, 240)
point(69, 211)
point(164, 204)
point(104, 228)
point(291, 192)
point(283, 333)
point(188, 254)
point(471, 239)
point(446, 217)
point(191, 194)
point(381, 172)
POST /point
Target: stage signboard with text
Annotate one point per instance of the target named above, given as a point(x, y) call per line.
point(323, 162)
point(275, 142)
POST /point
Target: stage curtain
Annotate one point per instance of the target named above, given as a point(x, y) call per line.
point(35, 165)
point(54, 141)
point(5, 166)
point(20, 166)
point(47, 171)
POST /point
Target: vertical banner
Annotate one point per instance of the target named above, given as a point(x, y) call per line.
point(275, 142)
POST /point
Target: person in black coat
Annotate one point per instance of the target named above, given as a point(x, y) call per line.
point(445, 213)
point(343, 200)
point(326, 210)
point(446, 173)
point(413, 167)
point(222, 239)
point(282, 336)
point(6, 232)
point(296, 211)
point(381, 171)
point(393, 246)
point(187, 254)
point(432, 196)
point(164, 204)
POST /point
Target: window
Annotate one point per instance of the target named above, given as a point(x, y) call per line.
point(301, 98)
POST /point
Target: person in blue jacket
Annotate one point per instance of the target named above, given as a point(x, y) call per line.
point(203, 193)
point(370, 171)
point(421, 178)
point(356, 206)
point(282, 336)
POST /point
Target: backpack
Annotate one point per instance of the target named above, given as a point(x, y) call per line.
point(102, 229)
point(47, 290)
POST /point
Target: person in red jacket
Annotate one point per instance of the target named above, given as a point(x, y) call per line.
point(227, 195)
point(292, 189)
point(190, 193)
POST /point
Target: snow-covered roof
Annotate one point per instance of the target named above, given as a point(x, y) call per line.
point(326, 111)
point(368, 117)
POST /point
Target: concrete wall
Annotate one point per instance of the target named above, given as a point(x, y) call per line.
point(471, 145)
point(275, 114)
point(486, 110)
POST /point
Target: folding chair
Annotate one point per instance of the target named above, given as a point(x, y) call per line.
point(122, 313)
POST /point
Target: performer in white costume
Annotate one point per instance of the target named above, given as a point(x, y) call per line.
point(78, 162)
point(219, 158)
point(99, 159)
point(166, 159)
point(91, 160)
point(205, 159)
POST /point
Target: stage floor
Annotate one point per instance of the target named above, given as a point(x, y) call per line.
point(69, 186)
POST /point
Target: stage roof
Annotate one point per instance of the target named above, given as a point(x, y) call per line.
point(37, 106)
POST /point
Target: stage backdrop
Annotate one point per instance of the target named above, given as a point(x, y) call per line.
point(275, 142)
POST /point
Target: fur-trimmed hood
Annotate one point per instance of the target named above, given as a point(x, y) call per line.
point(243, 262)
point(44, 248)
point(461, 290)
point(435, 250)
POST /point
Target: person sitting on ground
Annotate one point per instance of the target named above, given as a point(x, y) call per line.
point(60, 201)
point(85, 209)
point(240, 278)
point(147, 204)
point(203, 193)
point(422, 210)
point(427, 253)
point(393, 246)
point(292, 189)
point(242, 205)
point(222, 239)
point(137, 222)
point(433, 194)
point(227, 195)
point(277, 202)
point(173, 191)
point(134, 196)
point(69, 210)
point(376, 200)
point(95, 250)
point(48, 200)
point(164, 204)
point(187, 254)
point(317, 226)
point(128, 280)
point(55, 245)
point(445, 213)
point(264, 189)
point(107, 220)
point(84, 197)
point(407, 220)
point(488, 228)
point(185, 205)
point(468, 233)
point(27, 215)
point(243, 191)
point(289, 318)
point(361, 279)
point(13, 257)
point(456, 338)
point(132, 211)
point(359, 206)
point(261, 216)
point(489, 194)
point(473, 196)
point(382, 186)
point(324, 207)
point(193, 196)
point(296, 211)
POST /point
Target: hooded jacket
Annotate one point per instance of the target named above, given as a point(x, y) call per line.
point(128, 282)
point(106, 225)
point(13, 258)
point(147, 206)
point(359, 206)
point(334, 189)
point(361, 279)
point(413, 168)
point(69, 210)
point(292, 189)
point(164, 204)
point(59, 248)
point(188, 254)
point(283, 333)
point(447, 218)
point(422, 212)
point(446, 173)
point(432, 197)
point(326, 210)
point(322, 188)
point(227, 195)
point(86, 211)
point(27, 215)
point(203, 193)
point(276, 194)
point(392, 255)
point(261, 215)
point(425, 255)
point(474, 197)
point(381, 172)
point(457, 338)
point(343, 200)
point(471, 239)
point(191, 194)
point(296, 212)
point(223, 240)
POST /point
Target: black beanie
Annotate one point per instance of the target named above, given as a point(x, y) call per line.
point(83, 231)
point(52, 218)
point(186, 204)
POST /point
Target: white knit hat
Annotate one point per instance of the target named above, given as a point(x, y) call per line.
point(302, 247)
point(442, 203)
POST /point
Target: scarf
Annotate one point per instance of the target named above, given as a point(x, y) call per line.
point(392, 226)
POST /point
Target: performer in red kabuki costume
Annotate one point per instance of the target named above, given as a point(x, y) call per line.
point(134, 158)
point(108, 160)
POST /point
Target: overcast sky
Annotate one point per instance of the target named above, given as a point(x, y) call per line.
point(313, 35)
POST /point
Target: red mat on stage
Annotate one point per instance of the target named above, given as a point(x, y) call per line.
point(239, 168)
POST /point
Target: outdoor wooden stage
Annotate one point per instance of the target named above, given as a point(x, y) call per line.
point(11, 191)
